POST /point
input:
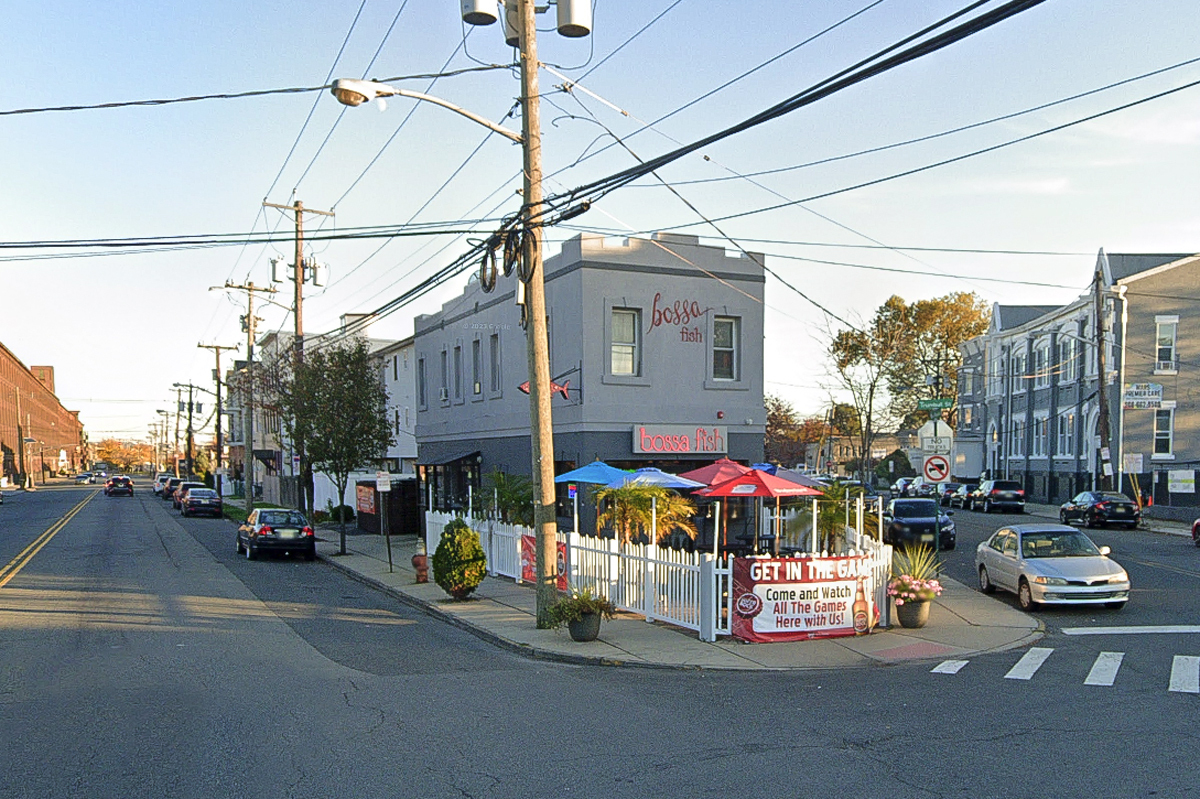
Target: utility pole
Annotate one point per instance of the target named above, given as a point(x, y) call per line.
point(178, 409)
point(248, 325)
point(1103, 463)
point(538, 350)
point(298, 210)
point(216, 348)
point(191, 458)
point(21, 440)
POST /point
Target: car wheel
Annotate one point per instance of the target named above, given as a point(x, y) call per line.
point(987, 506)
point(1089, 520)
point(250, 553)
point(183, 512)
point(1196, 536)
point(985, 581)
point(1062, 517)
point(238, 541)
point(310, 554)
point(1025, 596)
point(1114, 605)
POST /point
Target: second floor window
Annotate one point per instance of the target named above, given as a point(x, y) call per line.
point(1066, 435)
point(476, 367)
point(725, 348)
point(1163, 432)
point(494, 358)
point(458, 373)
point(1165, 331)
point(626, 355)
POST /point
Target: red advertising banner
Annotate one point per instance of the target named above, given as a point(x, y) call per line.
point(795, 599)
point(364, 499)
point(529, 561)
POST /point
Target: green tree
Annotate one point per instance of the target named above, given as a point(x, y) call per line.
point(510, 497)
point(335, 399)
point(632, 509)
point(785, 440)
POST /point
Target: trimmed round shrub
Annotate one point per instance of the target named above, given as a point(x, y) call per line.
point(459, 562)
point(342, 513)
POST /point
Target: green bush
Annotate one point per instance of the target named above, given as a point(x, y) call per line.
point(459, 562)
point(573, 607)
point(342, 513)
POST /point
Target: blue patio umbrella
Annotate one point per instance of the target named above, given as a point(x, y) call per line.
point(654, 477)
point(597, 472)
point(769, 468)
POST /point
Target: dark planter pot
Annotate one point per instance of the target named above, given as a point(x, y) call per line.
point(586, 629)
point(913, 614)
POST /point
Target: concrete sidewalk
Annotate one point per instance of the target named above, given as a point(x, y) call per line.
point(963, 622)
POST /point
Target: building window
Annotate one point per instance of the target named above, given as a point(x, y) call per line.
point(444, 391)
point(458, 373)
point(1067, 367)
point(1041, 431)
point(494, 360)
point(395, 368)
point(1018, 372)
point(476, 367)
point(626, 350)
point(397, 416)
point(1016, 444)
point(1066, 436)
point(1164, 422)
point(1166, 328)
point(1041, 366)
point(725, 348)
point(422, 398)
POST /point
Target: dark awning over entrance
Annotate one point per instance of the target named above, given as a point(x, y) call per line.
point(441, 460)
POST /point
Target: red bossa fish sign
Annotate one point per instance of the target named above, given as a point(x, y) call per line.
point(794, 599)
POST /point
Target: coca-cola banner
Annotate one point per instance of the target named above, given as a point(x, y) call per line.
point(529, 562)
point(795, 599)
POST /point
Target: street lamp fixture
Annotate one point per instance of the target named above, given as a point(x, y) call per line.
point(353, 92)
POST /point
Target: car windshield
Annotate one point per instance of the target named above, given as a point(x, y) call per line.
point(1113, 497)
point(202, 492)
point(282, 519)
point(1006, 485)
point(915, 510)
point(1054, 544)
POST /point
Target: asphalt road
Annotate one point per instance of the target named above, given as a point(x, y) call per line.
point(140, 657)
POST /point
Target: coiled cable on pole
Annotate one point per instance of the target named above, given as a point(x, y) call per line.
point(487, 268)
point(512, 251)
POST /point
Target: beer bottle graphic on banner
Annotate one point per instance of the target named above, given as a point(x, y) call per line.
point(860, 611)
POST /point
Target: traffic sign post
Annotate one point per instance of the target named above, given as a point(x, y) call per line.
point(936, 469)
point(383, 484)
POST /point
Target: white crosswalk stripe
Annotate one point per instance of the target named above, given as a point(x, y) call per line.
point(1185, 669)
point(949, 667)
point(1104, 670)
point(1029, 663)
point(1185, 674)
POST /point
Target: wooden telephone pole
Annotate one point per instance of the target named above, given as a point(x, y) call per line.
point(298, 210)
point(216, 348)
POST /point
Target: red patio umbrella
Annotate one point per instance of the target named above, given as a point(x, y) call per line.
point(755, 483)
point(716, 472)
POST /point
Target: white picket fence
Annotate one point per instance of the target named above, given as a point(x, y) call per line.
point(693, 590)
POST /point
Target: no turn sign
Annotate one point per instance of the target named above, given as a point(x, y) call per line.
point(937, 469)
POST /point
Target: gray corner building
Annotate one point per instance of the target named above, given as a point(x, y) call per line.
point(656, 358)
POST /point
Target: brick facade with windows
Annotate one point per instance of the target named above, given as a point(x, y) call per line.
point(29, 409)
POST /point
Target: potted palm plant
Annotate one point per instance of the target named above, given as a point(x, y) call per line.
point(914, 584)
point(581, 611)
point(634, 508)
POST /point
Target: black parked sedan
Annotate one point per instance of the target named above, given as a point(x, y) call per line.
point(961, 498)
point(276, 530)
point(911, 522)
point(1100, 508)
point(200, 500)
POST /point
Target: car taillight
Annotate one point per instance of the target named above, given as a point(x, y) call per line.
point(264, 530)
point(1104, 505)
point(306, 531)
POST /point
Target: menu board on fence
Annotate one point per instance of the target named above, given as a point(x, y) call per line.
point(364, 499)
point(529, 561)
point(795, 599)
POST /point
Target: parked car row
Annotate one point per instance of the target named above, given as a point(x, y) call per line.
point(190, 498)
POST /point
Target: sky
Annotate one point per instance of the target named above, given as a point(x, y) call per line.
point(1018, 224)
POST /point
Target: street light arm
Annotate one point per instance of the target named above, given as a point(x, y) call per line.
point(356, 92)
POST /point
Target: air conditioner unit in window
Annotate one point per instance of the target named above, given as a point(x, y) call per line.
point(444, 394)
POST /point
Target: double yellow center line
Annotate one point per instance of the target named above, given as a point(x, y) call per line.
point(15, 565)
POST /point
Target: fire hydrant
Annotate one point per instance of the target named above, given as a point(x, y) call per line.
point(420, 562)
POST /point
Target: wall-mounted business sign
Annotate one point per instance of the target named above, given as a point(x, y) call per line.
point(659, 439)
point(1139, 396)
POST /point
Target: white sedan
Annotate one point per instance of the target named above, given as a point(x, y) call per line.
point(1050, 564)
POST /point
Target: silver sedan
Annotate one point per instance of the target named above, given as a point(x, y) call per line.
point(1050, 564)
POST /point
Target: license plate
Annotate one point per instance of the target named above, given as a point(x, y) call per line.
point(927, 539)
point(1119, 511)
point(288, 533)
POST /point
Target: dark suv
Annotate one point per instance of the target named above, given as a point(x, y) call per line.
point(118, 486)
point(916, 521)
point(1003, 494)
